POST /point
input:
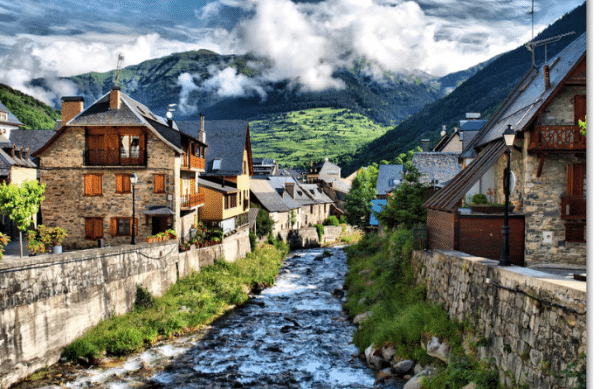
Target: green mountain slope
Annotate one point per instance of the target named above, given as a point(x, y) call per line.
point(484, 92)
point(294, 138)
point(34, 114)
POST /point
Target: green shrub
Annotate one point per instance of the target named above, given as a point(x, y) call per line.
point(320, 231)
point(331, 221)
point(82, 347)
point(252, 241)
point(479, 199)
point(143, 298)
point(124, 341)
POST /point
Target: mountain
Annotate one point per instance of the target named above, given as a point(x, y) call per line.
point(34, 114)
point(484, 92)
point(186, 78)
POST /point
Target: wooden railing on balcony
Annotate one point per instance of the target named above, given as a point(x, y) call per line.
point(573, 208)
point(192, 200)
point(193, 162)
point(115, 157)
point(557, 139)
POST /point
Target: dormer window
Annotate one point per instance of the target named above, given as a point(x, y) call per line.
point(3, 116)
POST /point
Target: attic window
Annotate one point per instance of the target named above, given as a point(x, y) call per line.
point(312, 191)
point(299, 193)
point(3, 116)
point(216, 164)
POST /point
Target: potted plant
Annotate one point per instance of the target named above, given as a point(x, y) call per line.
point(57, 235)
point(479, 203)
point(34, 246)
point(172, 234)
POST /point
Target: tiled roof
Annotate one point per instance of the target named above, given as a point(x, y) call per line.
point(34, 139)
point(267, 196)
point(530, 94)
point(436, 168)
point(11, 118)
point(389, 177)
point(226, 140)
point(314, 192)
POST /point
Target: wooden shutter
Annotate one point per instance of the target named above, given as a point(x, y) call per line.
point(94, 228)
point(137, 230)
point(119, 183)
point(113, 226)
point(580, 108)
point(89, 228)
point(88, 185)
point(123, 183)
point(575, 178)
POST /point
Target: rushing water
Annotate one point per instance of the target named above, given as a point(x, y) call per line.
point(293, 335)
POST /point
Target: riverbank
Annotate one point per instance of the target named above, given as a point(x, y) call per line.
point(190, 304)
point(399, 332)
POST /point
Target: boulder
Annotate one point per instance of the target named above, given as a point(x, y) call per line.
point(418, 368)
point(338, 293)
point(437, 349)
point(361, 317)
point(374, 362)
point(388, 352)
point(471, 385)
point(384, 374)
point(403, 367)
point(415, 382)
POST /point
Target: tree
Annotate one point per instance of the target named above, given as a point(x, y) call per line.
point(21, 203)
point(358, 200)
point(405, 205)
point(264, 224)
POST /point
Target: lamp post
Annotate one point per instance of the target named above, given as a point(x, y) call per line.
point(133, 178)
point(509, 140)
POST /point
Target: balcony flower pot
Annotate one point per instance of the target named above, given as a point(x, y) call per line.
point(57, 249)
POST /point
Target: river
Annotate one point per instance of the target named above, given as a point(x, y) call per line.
point(292, 335)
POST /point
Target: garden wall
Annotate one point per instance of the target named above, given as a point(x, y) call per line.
point(48, 301)
point(528, 324)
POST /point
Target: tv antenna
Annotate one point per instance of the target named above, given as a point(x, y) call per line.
point(532, 44)
point(119, 63)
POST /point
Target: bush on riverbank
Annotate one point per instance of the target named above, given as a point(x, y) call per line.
point(381, 280)
point(189, 304)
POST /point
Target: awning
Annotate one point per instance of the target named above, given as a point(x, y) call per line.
point(160, 211)
point(448, 198)
point(226, 189)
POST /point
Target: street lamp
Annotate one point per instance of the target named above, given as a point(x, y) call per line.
point(133, 178)
point(509, 140)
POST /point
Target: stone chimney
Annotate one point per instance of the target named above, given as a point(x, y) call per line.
point(547, 76)
point(71, 107)
point(201, 133)
point(115, 98)
point(425, 144)
point(289, 187)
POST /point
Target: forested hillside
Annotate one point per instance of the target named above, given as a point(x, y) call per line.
point(34, 114)
point(484, 92)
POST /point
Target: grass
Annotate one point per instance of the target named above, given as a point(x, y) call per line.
point(294, 138)
point(189, 304)
point(381, 280)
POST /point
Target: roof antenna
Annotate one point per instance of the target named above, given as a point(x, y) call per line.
point(119, 63)
point(532, 44)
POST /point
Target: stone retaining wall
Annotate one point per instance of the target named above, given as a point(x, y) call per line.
point(532, 329)
point(308, 236)
point(48, 301)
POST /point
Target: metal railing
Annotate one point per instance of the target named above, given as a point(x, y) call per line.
point(192, 200)
point(115, 157)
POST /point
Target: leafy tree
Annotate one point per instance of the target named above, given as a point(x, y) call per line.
point(358, 200)
point(405, 205)
point(264, 224)
point(406, 158)
point(21, 203)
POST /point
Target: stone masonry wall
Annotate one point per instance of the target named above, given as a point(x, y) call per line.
point(48, 301)
point(520, 333)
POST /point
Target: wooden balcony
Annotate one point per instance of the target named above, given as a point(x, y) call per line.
point(559, 139)
point(193, 162)
point(192, 200)
point(573, 208)
point(115, 157)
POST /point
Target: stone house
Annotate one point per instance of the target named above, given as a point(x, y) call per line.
point(549, 167)
point(87, 163)
point(324, 171)
point(226, 181)
point(285, 212)
point(388, 178)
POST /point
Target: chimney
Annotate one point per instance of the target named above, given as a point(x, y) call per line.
point(201, 133)
point(71, 107)
point(425, 143)
point(547, 76)
point(115, 97)
point(289, 187)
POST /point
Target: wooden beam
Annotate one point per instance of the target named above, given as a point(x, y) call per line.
point(541, 165)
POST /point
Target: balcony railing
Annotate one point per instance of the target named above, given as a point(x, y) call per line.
point(193, 162)
point(192, 200)
point(557, 138)
point(115, 157)
point(573, 208)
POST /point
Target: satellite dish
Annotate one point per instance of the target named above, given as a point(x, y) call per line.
point(169, 115)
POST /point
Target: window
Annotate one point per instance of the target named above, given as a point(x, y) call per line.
point(130, 146)
point(230, 200)
point(93, 228)
point(3, 116)
point(121, 226)
point(123, 183)
point(93, 184)
point(159, 183)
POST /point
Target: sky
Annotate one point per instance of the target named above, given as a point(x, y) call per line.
point(305, 40)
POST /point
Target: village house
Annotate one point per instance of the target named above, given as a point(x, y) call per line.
point(226, 181)
point(548, 164)
point(324, 171)
point(8, 121)
point(87, 166)
point(285, 212)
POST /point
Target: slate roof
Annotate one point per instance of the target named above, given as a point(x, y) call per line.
point(34, 139)
point(10, 117)
point(436, 168)
point(329, 171)
point(387, 173)
point(216, 187)
point(530, 94)
point(226, 140)
point(268, 196)
point(300, 196)
point(314, 192)
point(376, 206)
